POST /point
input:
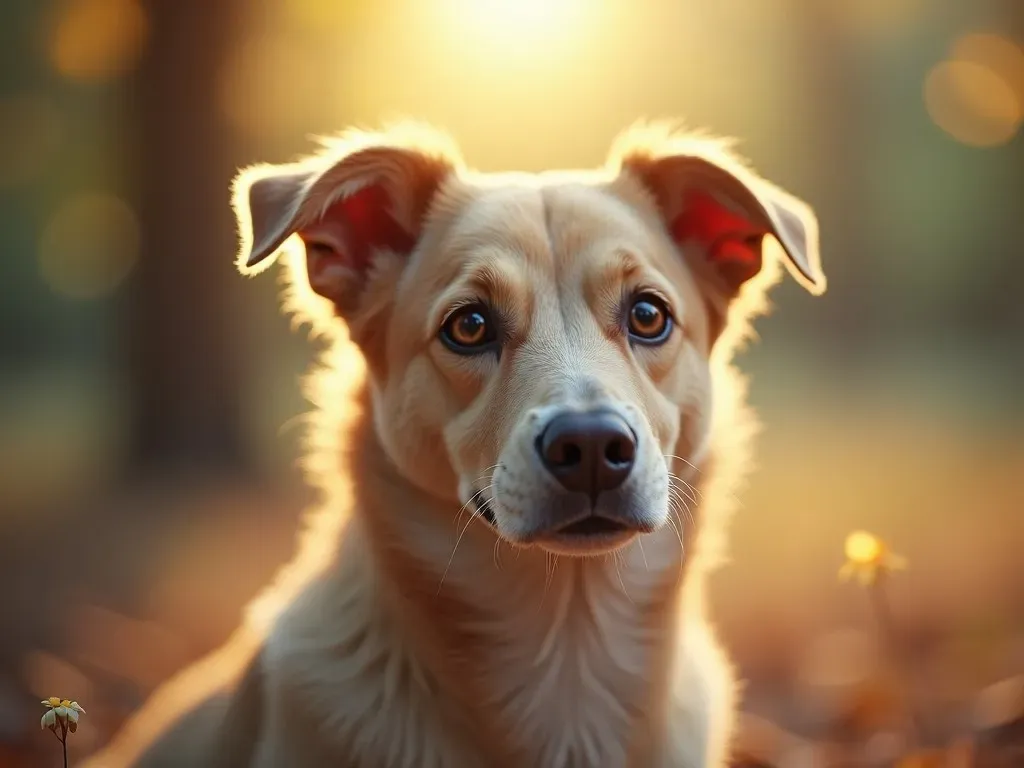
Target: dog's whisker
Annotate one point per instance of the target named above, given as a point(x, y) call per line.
point(692, 488)
point(676, 494)
point(690, 464)
point(550, 563)
point(469, 502)
point(486, 473)
point(497, 553)
point(618, 574)
point(682, 547)
point(489, 487)
point(684, 486)
point(673, 521)
point(680, 501)
point(643, 554)
point(458, 540)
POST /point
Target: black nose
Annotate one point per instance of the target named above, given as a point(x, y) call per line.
point(588, 452)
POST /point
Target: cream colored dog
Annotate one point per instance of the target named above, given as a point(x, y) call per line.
point(521, 508)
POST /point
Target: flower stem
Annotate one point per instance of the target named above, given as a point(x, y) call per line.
point(880, 604)
point(63, 740)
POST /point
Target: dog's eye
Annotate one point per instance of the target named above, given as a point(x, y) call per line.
point(649, 320)
point(469, 330)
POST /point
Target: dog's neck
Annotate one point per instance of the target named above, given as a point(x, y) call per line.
point(570, 656)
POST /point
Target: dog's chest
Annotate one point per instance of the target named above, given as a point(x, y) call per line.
point(569, 679)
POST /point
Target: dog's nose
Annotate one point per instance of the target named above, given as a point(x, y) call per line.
point(588, 452)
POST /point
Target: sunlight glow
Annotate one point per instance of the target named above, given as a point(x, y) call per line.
point(258, 82)
point(520, 24)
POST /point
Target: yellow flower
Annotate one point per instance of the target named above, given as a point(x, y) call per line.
point(60, 711)
point(868, 557)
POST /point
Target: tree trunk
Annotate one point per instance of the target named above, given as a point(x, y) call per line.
point(181, 323)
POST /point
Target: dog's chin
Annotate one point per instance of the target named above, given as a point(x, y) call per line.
point(591, 536)
point(589, 545)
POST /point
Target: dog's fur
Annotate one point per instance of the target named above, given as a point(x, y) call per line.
point(410, 633)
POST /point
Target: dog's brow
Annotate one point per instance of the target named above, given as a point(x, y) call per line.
point(619, 266)
point(495, 276)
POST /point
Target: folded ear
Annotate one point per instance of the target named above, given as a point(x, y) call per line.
point(711, 203)
point(364, 195)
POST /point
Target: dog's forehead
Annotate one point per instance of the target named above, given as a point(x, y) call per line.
point(546, 224)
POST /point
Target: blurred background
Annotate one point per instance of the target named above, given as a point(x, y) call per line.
point(149, 399)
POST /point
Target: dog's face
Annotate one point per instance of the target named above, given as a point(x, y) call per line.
point(538, 345)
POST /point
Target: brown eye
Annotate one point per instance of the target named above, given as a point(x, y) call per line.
point(469, 330)
point(649, 320)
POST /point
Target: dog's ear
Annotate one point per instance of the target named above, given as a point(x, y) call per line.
point(711, 204)
point(346, 205)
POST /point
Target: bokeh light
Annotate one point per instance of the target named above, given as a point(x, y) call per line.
point(972, 103)
point(995, 52)
point(97, 40)
point(30, 133)
point(89, 246)
point(977, 95)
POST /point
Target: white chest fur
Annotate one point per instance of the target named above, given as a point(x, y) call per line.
point(565, 664)
point(572, 651)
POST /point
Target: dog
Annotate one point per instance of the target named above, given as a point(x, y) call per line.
point(528, 434)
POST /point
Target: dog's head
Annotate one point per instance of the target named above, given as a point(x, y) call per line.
point(538, 346)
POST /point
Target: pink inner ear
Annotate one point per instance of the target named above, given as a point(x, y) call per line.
point(356, 226)
point(730, 240)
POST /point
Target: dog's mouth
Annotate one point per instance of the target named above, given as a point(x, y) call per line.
point(592, 526)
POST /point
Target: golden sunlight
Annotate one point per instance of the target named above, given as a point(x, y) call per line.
point(260, 79)
point(531, 30)
point(314, 14)
point(514, 22)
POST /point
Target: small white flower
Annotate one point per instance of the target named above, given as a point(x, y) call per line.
point(61, 712)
